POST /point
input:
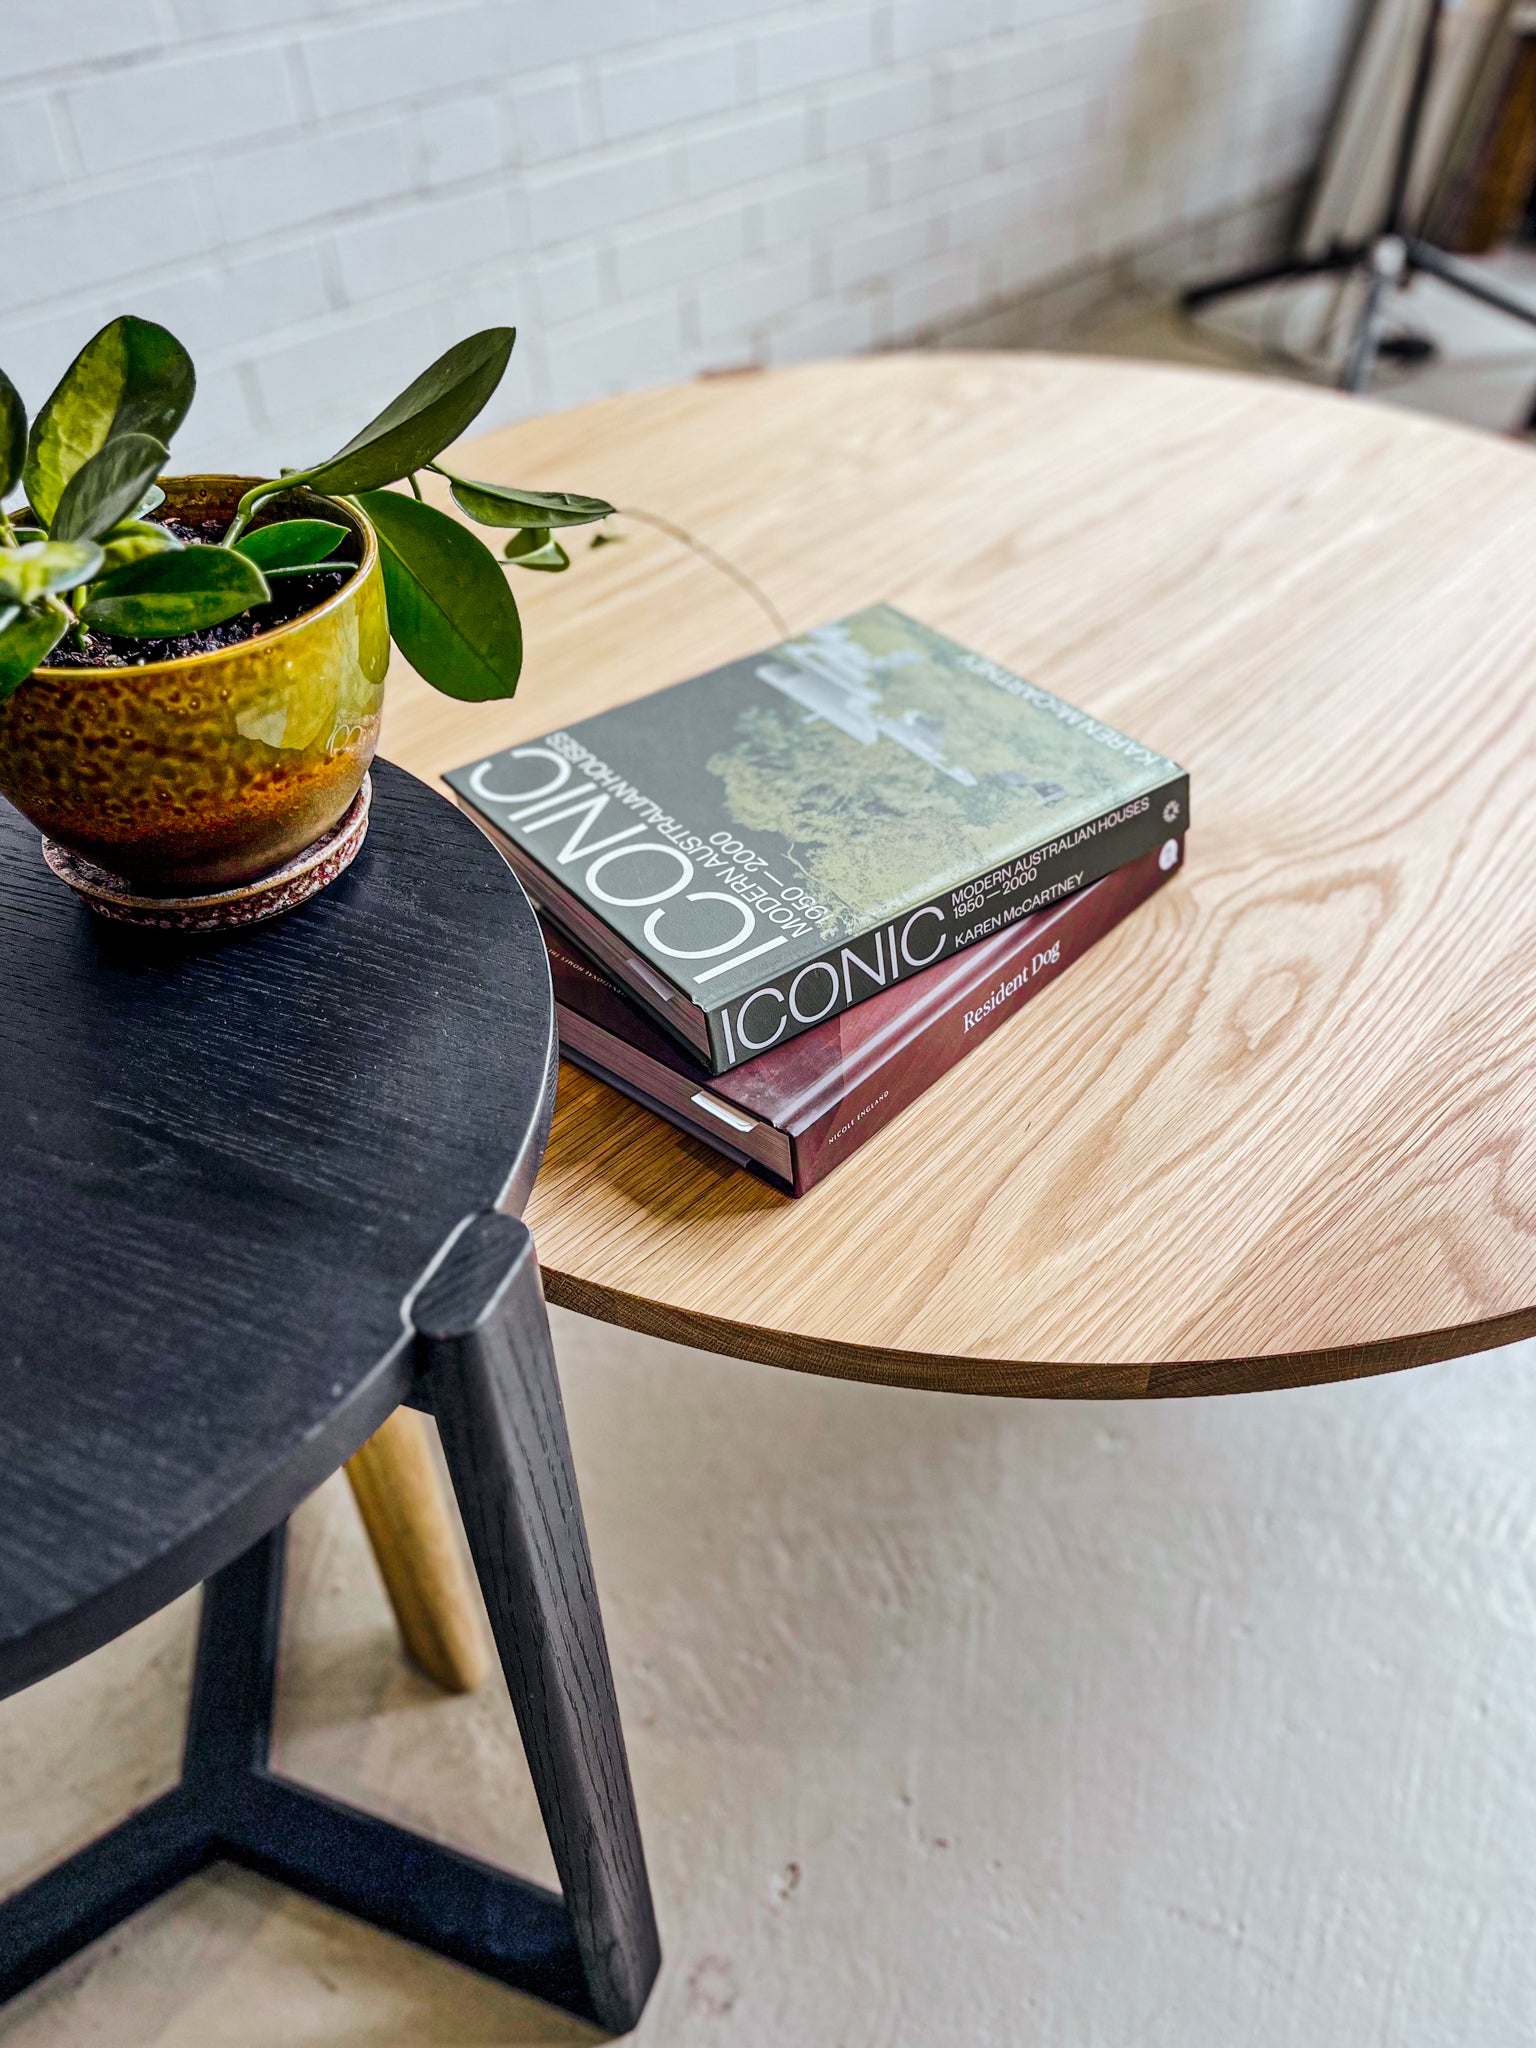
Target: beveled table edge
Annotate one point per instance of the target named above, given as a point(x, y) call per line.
point(218, 1542)
point(938, 1372)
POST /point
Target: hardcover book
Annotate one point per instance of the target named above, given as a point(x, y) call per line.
point(799, 1110)
point(758, 849)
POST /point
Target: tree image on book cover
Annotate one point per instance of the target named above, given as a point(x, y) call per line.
point(950, 755)
point(756, 849)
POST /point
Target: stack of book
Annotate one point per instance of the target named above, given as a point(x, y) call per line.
point(781, 899)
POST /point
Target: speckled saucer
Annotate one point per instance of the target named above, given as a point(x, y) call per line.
point(251, 903)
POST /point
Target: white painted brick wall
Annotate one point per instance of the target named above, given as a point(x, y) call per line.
point(318, 195)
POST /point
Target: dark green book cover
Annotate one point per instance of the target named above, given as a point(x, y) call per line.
point(762, 846)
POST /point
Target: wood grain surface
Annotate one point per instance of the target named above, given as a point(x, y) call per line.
point(223, 1166)
point(488, 1364)
point(1278, 1127)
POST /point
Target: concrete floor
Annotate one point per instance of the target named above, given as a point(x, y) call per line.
point(953, 1722)
point(961, 1724)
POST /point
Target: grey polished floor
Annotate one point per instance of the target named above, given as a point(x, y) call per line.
point(953, 1722)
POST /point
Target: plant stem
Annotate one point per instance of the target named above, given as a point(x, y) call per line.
point(7, 531)
point(416, 487)
point(715, 560)
point(248, 504)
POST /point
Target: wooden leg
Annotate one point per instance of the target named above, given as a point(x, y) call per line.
point(488, 1369)
point(231, 1804)
point(484, 1345)
point(395, 1484)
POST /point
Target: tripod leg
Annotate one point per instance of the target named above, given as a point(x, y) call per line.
point(1385, 273)
point(483, 1339)
point(1424, 256)
point(1289, 271)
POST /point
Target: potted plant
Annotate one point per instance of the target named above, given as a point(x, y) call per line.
point(192, 668)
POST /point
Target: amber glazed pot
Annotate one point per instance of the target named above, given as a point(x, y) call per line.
point(209, 771)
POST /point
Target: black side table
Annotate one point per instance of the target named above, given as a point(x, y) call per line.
point(250, 1198)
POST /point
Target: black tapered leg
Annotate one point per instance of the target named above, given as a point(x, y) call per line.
point(229, 1720)
point(484, 1345)
point(490, 1375)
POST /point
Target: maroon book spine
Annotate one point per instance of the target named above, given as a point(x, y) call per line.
point(830, 1090)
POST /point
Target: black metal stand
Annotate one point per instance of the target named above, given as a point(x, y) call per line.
point(488, 1373)
point(1390, 258)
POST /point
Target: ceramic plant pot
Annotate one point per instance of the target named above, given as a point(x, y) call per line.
point(209, 771)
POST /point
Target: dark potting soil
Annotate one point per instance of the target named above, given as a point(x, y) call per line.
point(292, 596)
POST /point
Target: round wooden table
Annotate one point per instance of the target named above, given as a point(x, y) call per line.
point(1278, 1127)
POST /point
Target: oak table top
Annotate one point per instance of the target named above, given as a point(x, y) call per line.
point(1278, 1127)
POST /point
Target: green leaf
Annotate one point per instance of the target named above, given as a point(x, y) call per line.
point(167, 595)
point(500, 505)
point(290, 543)
point(533, 549)
point(133, 540)
point(30, 573)
point(151, 501)
point(450, 611)
point(8, 612)
point(13, 436)
point(131, 378)
point(108, 487)
point(420, 423)
point(28, 641)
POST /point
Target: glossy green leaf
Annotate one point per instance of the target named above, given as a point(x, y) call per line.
point(533, 549)
point(169, 594)
point(131, 378)
point(500, 505)
point(151, 501)
point(30, 573)
point(421, 422)
point(450, 611)
point(107, 488)
point(28, 640)
point(290, 543)
point(8, 612)
point(13, 436)
point(134, 539)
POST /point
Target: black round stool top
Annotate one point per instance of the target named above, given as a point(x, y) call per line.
point(224, 1166)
